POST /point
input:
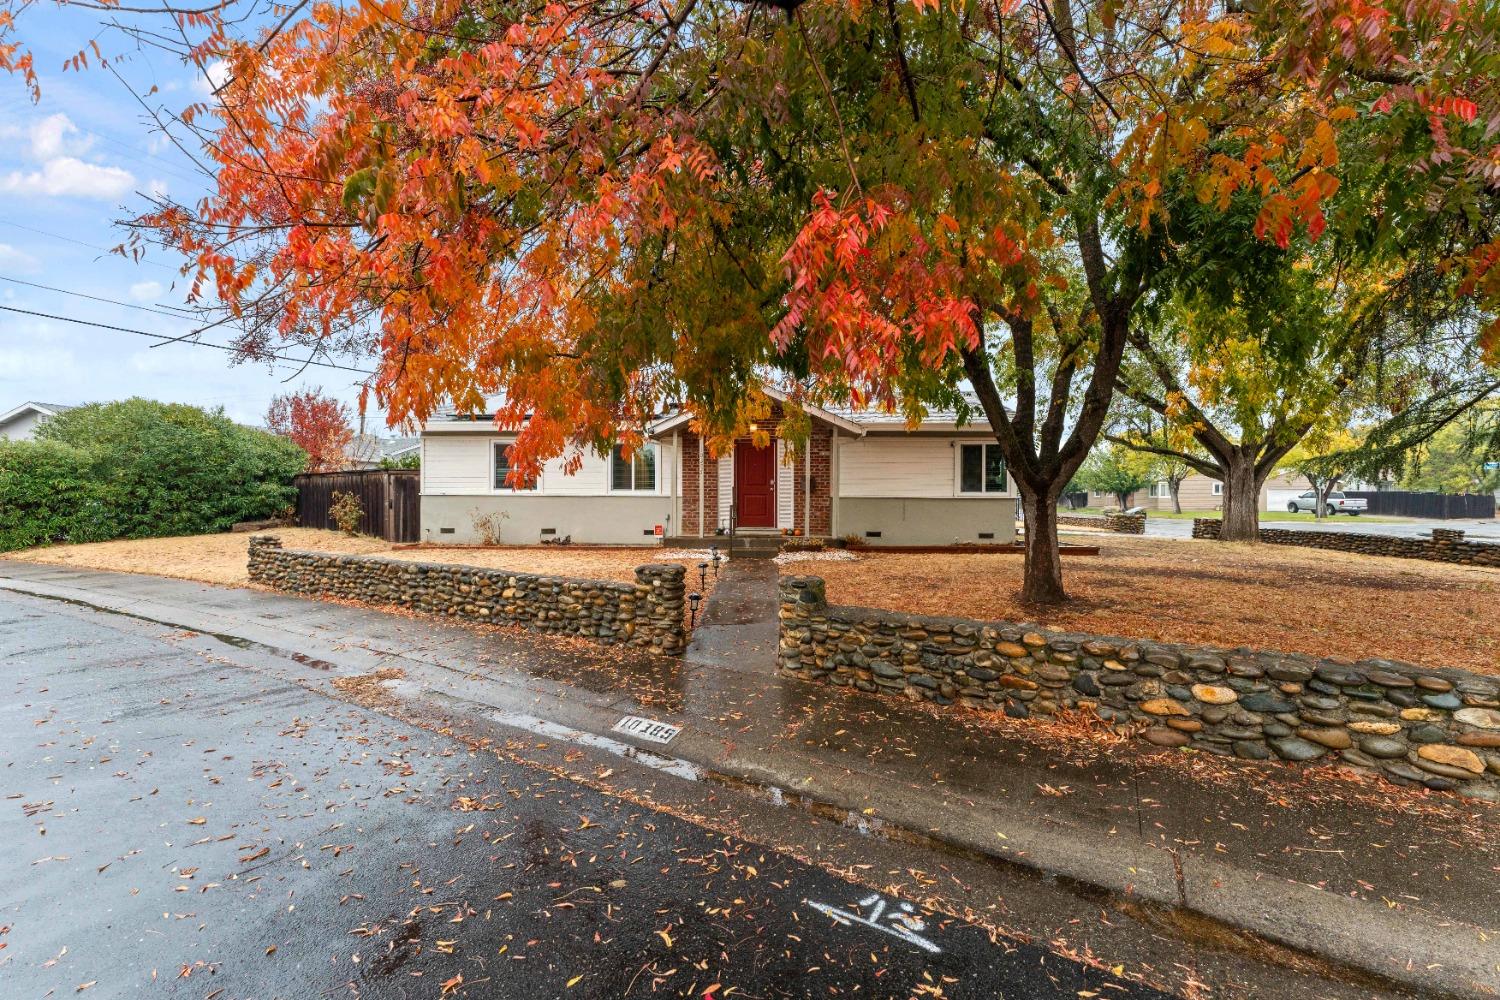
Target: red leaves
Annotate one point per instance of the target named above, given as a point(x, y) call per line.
point(867, 284)
point(317, 424)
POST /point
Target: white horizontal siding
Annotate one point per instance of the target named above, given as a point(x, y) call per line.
point(463, 465)
point(456, 464)
point(900, 466)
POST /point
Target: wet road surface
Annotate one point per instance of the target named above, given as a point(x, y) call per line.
point(178, 826)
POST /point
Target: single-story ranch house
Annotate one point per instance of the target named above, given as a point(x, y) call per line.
point(862, 473)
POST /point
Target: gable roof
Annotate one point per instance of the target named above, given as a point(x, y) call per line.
point(45, 409)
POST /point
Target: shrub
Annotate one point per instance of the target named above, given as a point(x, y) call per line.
point(488, 526)
point(347, 512)
point(137, 469)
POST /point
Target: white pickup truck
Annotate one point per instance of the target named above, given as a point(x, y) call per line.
point(1337, 504)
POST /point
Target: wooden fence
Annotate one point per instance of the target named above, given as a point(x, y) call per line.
point(1403, 503)
point(390, 498)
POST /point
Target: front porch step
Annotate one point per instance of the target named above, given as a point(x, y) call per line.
point(739, 546)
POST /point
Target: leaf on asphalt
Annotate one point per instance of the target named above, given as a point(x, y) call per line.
point(271, 950)
point(83, 986)
point(255, 855)
point(665, 937)
point(573, 982)
point(452, 985)
point(197, 821)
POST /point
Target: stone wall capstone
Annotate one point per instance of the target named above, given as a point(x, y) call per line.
point(1439, 728)
point(647, 613)
point(1445, 545)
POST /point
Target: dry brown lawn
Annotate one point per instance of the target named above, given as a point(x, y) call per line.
point(1267, 596)
point(222, 558)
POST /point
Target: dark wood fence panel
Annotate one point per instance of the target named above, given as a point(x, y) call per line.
point(1403, 503)
point(390, 499)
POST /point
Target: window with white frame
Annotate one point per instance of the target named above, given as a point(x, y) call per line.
point(1218, 488)
point(1161, 489)
point(503, 467)
point(981, 469)
point(634, 475)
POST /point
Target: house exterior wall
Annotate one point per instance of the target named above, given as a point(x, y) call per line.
point(928, 520)
point(458, 489)
point(22, 427)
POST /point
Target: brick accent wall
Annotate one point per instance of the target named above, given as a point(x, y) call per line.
point(1445, 545)
point(647, 613)
point(819, 452)
point(1411, 725)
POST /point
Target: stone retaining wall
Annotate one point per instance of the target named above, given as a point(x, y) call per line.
point(1125, 524)
point(1439, 728)
point(1445, 545)
point(646, 613)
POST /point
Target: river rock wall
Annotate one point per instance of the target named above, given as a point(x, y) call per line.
point(1439, 728)
point(647, 613)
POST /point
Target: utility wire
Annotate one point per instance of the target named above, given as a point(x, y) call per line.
point(90, 246)
point(195, 343)
point(177, 312)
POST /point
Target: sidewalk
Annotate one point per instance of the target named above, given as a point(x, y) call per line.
point(1393, 882)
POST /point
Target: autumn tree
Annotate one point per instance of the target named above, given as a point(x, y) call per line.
point(316, 423)
point(1115, 470)
point(598, 208)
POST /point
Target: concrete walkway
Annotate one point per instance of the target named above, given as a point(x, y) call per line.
point(1393, 883)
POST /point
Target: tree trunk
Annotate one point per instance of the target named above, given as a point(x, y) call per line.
point(1042, 580)
point(1241, 500)
point(1176, 499)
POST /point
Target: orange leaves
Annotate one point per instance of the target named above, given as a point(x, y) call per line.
point(868, 284)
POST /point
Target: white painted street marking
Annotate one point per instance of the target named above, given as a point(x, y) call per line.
point(551, 730)
point(901, 922)
point(647, 729)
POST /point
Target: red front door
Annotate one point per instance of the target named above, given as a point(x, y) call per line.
point(754, 485)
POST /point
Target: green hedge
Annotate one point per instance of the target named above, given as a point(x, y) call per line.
point(138, 469)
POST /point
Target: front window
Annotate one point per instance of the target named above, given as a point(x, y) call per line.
point(981, 469)
point(635, 475)
point(503, 467)
point(1218, 488)
point(1161, 490)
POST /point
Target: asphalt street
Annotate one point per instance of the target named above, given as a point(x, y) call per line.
point(179, 826)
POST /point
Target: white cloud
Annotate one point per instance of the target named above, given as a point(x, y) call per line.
point(16, 259)
point(55, 136)
point(214, 76)
point(145, 291)
point(156, 187)
point(67, 176)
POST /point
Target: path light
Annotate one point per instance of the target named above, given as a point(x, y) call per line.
point(703, 575)
point(714, 551)
point(693, 600)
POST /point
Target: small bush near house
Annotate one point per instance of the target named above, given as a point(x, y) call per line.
point(347, 512)
point(139, 469)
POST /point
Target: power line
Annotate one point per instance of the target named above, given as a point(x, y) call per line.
point(69, 239)
point(178, 311)
point(195, 343)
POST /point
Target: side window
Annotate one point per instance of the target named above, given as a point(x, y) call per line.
point(503, 467)
point(981, 469)
point(638, 475)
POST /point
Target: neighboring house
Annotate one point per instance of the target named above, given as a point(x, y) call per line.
point(861, 473)
point(366, 451)
point(20, 424)
point(1199, 492)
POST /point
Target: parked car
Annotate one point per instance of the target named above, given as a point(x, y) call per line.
point(1337, 504)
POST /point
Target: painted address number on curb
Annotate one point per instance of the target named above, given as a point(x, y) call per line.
point(647, 729)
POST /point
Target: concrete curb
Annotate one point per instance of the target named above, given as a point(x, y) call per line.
point(1405, 948)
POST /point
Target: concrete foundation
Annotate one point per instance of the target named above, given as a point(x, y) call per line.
point(527, 520)
point(928, 521)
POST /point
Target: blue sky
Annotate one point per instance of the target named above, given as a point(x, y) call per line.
point(70, 167)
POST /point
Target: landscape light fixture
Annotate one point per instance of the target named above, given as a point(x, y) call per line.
point(714, 551)
point(703, 575)
point(693, 600)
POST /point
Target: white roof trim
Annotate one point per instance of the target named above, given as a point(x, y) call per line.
point(45, 411)
point(676, 420)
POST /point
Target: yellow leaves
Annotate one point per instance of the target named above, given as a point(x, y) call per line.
point(574, 981)
point(197, 821)
point(665, 937)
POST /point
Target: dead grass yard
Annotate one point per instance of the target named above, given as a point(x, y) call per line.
point(222, 558)
point(1267, 596)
